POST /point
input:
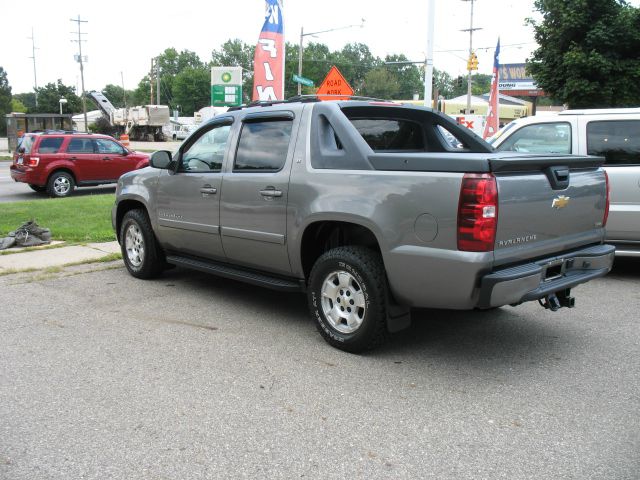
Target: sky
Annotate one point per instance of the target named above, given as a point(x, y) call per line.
point(122, 37)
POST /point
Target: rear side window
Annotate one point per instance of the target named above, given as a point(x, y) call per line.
point(263, 146)
point(554, 137)
point(50, 145)
point(80, 145)
point(395, 135)
point(26, 142)
point(616, 140)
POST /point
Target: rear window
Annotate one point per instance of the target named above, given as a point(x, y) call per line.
point(26, 142)
point(50, 145)
point(395, 135)
point(617, 140)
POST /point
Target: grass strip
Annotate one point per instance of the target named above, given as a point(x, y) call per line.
point(75, 219)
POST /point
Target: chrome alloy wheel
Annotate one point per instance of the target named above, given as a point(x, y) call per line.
point(343, 302)
point(134, 245)
point(61, 185)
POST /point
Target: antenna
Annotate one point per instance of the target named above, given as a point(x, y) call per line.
point(80, 60)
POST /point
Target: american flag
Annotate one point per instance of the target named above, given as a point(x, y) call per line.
point(268, 61)
point(493, 115)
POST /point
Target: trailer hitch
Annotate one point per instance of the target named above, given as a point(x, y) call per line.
point(557, 300)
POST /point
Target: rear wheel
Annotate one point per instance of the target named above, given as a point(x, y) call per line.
point(38, 188)
point(141, 253)
point(347, 297)
point(60, 184)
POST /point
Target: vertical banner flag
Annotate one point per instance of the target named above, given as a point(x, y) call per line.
point(268, 62)
point(493, 115)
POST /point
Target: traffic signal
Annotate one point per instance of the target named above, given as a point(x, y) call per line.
point(472, 62)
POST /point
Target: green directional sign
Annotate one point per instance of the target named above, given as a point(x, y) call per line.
point(302, 80)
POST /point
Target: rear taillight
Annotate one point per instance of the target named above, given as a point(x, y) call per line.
point(477, 212)
point(606, 206)
point(33, 162)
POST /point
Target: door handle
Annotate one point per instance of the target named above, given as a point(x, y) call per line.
point(106, 158)
point(73, 158)
point(208, 190)
point(271, 192)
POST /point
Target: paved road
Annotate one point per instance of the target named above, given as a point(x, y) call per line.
point(11, 191)
point(190, 376)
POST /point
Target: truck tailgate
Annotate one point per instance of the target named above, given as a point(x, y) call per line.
point(547, 204)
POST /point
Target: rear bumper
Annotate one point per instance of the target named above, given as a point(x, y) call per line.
point(538, 279)
point(24, 175)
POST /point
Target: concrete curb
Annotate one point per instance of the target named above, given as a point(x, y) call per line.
point(57, 257)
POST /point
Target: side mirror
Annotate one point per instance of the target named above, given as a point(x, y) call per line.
point(160, 159)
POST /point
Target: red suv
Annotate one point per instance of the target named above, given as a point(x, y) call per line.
point(57, 162)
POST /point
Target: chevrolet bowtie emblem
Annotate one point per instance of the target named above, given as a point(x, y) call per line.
point(560, 202)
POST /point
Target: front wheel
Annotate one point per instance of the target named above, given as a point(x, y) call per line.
point(347, 297)
point(141, 253)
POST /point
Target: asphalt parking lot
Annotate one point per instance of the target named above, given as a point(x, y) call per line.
point(191, 376)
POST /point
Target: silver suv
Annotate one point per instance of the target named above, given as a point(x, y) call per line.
point(611, 133)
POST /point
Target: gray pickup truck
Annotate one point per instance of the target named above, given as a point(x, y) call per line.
point(369, 207)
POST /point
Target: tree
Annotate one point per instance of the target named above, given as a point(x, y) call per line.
point(191, 89)
point(408, 77)
point(18, 106)
point(115, 94)
point(354, 61)
point(49, 99)
point(236, 53)
point(5, 100)
point(443, 82)
point(27, 99)
point(588, 55)
point(381, 83)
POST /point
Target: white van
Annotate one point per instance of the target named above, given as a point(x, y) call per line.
point(611, 133)
point(180, 132)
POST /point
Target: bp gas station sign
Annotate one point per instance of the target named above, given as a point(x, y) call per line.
point(226, 86)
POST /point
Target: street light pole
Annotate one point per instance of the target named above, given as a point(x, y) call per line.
point(300, 48)
point(300, 60)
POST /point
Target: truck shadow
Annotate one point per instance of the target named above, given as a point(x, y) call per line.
point(506, 336)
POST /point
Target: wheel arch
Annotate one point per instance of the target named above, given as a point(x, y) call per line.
point(323, 235)
point(59, 169)
point(125, 206)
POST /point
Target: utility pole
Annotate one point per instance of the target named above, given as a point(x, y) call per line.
point(124, 92)
point(151, 82)
point(157, 82)
point(80, 61)
point(470, 30)
point(428, 62)
point(33, 56)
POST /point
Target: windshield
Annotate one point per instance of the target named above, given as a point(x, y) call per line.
point(500, 132)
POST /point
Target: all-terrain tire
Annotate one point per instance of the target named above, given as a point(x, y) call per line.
point(141, 253)
point(347, 295)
